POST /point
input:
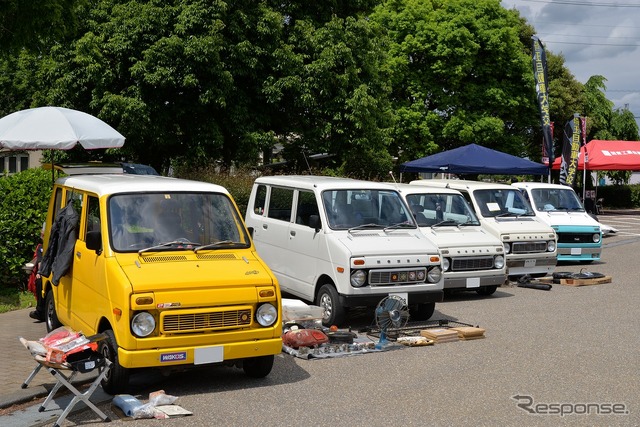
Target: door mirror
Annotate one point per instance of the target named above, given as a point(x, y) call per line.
point(94, 241)
point(314, 222)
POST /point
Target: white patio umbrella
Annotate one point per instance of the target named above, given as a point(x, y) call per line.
point(56, 128)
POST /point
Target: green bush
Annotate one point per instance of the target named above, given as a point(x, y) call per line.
point(23, 209)
point(620, 196)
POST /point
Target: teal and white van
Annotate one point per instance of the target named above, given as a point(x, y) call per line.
point(579, 235)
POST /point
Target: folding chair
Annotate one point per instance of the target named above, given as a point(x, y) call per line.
point(83, 362)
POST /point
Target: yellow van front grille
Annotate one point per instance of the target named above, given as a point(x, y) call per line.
point(204, 321)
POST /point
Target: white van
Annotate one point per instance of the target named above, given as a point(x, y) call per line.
point(579, 235)
point(530, 245)
point(472, 258)
point(342, 243)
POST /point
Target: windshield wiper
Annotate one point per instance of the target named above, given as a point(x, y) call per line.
point(399, 225)
point(214, 244)
point(166, 244)
point(445, 222)
point(364, 226)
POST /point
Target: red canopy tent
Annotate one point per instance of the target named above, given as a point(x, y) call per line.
point(608, 156)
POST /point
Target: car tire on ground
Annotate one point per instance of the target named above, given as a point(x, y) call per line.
point(422, 311)
point(50, 315)
point(258, 367)
point(117, 379)
point(333, 313)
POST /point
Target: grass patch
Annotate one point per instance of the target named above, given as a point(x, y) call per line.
point(15, 299)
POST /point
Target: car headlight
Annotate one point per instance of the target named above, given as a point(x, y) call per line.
point(358, 278)
point(507, 248)
point(446, 264)
point(143, 324)
point(596, 237)
point(551, 245)
point(498, 261)
point(434, 274)
point(266, 314)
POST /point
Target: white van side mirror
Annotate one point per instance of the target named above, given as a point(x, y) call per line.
point(314, 222)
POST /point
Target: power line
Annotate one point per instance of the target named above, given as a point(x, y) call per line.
point(592, 44)
point(582, 3)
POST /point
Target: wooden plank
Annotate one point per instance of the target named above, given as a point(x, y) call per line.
point(577, 282)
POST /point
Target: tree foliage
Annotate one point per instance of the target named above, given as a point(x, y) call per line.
point(192, 82)
point(23, 208)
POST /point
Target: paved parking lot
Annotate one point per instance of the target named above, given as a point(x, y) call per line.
point(564, 357)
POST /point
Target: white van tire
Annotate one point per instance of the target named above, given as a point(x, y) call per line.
point(333, 313)
point(487, 290)
point(117, 379)
point(422, 311)
point(50, 315)
point(258, 367)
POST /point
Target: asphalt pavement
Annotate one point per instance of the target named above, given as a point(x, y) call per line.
point(19, 406)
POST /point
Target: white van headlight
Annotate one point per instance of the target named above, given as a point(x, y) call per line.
point(358, 278)
point(551, 245)
point(596, 237)
point(434, 275)
point(143, 324)
point(266, 314)
point(446, 264)
point(498, 261)
point(507, 248)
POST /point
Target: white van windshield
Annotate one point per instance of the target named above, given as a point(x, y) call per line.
point(174, 221)
point(446, 208)
point(502, 202)
point(346, 209)
point(555, 199)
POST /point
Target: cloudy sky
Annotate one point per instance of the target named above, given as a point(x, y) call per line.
point(596, 37)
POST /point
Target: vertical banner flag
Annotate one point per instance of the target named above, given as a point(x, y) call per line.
point(571, 150)
point(542, 86)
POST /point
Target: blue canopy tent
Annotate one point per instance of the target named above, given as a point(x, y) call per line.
point(475, 159)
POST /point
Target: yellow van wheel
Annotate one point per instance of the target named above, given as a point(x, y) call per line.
point(50, 315)
point(117, 379)
point(258, 367)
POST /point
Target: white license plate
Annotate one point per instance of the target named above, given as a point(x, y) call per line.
point(529, 262)
point(576, 251)
point(205, 355)
point(473, 282)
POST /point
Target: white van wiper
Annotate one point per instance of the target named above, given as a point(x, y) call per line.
point(399, 225)
point(365, 226)
point(219, 243)
point(182, 242)
point(445, 222)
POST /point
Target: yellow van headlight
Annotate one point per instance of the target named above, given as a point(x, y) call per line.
point(266, 314)
point(143, 324)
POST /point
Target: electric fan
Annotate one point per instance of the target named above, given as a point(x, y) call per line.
point(391, 314)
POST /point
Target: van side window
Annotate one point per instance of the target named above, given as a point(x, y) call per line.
point(93, 214)
point(57, 203)
point(306, 207)
point(261, 200)
point(280, 203)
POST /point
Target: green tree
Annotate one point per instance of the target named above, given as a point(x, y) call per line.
point(459, 70)
point(34, 23)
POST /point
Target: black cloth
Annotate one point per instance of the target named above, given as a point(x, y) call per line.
point(62, 241)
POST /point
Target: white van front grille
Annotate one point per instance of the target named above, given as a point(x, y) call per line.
point(404, 276)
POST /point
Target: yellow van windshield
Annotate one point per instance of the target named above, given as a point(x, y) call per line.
point(174, 221)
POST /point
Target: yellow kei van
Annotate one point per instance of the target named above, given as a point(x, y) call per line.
point(165, 269)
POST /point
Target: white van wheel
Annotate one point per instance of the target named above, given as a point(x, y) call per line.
point(332, 312)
